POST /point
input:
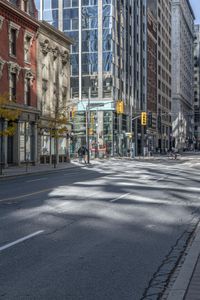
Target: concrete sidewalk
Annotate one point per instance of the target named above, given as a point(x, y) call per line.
point(187, 284)
point(29, 169)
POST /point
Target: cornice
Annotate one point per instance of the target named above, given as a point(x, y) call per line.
point(9, 8)
point(23, 108)
point(44, 26)
point(45, 48)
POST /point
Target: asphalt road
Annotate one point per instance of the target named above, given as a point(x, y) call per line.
point(112, 231)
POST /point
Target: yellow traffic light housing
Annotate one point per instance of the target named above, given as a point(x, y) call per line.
point(73, 112)
point(91, 131)
point(120, 107)
point(144, 118)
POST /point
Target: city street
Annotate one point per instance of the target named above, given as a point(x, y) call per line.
point(114, 230)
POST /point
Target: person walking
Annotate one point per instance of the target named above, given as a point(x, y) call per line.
point(85, 153)
point(80, 154)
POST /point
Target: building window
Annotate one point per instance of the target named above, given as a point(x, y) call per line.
point(44, 95)
point(28, 91)
point(26, 138)
point(13, 41)
point(26, 6)
point(2, 62)
point(1, 22)
point(27, 45)
point(13, 35)
point(64, 95)
point(14, 2)
point(13, 86)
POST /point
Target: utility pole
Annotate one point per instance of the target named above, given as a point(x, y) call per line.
point(135, 134)
point(88, 129)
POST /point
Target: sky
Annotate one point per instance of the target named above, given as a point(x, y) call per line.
point(196, 8)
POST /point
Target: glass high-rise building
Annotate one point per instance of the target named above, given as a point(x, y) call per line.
point(108, 64)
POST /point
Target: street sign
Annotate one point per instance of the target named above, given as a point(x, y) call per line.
point(95, 105)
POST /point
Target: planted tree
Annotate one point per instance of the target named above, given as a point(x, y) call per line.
point(56, 120)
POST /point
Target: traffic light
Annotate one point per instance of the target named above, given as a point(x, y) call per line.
point(73, 112)
point(129, 135)
point(150, 119)
point(91, 131)
point(144, 118)
point(120, 107)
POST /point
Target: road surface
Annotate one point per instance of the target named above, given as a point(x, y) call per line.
point(113, 231)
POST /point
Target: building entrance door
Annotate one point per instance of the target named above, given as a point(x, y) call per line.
point(10, 150)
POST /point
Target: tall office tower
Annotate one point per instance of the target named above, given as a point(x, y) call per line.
point(107, 65)
point(138, 70)
point(197, 87)
point(161, 9)
point(152, 78)
point(164, 73)
point(182, 73)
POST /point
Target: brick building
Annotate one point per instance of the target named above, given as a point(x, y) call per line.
point(18, 69)
point(29, 50)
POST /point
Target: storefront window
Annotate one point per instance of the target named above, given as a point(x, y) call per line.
point(25, 141)
point(45, 145)
point(62, 146)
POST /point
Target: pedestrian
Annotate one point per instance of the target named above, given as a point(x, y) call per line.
point(85, 153)
point(80, 154)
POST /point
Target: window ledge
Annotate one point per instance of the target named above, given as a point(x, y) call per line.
point(12, 55)
point(27, 62)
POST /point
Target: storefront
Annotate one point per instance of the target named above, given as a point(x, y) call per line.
point(50, 147)
point(100, 128)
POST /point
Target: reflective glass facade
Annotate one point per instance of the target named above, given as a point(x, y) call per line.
point(108, 57)
point(48, 11)
point(70, 15)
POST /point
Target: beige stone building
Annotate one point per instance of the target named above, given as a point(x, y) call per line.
point(182, 74)
point(53, 94)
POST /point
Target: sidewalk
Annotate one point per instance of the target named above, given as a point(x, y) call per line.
point(187, 284)
point(25, 170)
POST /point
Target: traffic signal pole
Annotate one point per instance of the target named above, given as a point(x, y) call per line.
point(88, 130)
point(143, 117)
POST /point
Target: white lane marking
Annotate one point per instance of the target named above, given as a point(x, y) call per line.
point(21, 240)
point(162, 178)
point(32, 180)
point(120, 197)
point(150, 226)
point(71, 173)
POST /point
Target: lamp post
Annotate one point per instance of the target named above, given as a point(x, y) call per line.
point(88, 130)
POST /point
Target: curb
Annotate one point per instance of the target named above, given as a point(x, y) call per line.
point(179, 289)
